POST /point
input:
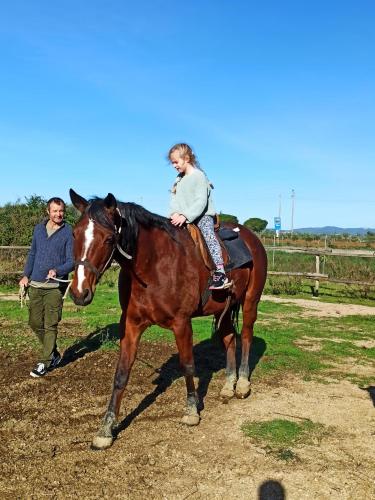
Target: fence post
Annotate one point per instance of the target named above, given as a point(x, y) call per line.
point(317, 270)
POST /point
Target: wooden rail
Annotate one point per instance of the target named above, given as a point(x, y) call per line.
point(323, 251)
point(14, 248)
point(318, 252)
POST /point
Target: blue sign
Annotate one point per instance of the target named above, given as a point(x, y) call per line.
point(277, 223)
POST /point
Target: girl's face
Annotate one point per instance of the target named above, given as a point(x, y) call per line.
point(179, 162)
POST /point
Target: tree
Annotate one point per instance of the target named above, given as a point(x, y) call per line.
point(256, 224)
point(228, 218)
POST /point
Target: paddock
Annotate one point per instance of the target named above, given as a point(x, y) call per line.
point(47, 425)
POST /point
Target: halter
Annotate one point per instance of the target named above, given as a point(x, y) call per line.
point(86, 263)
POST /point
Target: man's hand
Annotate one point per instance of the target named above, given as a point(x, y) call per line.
point(24, 281)
point(51, 274)
point(178, 219)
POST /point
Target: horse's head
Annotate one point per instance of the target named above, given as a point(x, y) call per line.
point(95, 240)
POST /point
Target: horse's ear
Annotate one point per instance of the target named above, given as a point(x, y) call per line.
point(110, 203)
point(77, 200)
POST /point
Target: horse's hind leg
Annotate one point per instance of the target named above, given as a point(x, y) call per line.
point(128, 351)
point(184, 339)
point(249, 309)
point(228, 335)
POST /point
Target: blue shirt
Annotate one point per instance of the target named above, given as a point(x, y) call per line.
point(54, 252)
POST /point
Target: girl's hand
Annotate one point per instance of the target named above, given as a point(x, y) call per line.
point(178, 219)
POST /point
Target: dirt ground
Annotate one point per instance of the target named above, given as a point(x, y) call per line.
point(46, 427)
point(319, 309)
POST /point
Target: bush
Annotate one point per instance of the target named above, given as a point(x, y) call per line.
point(283, 286)
point(17, 220)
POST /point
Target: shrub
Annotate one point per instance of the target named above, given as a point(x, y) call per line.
point(283, 286)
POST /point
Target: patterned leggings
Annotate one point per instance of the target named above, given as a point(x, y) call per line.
point(206, 227)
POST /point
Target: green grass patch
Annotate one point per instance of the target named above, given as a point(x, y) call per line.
point(279, 435)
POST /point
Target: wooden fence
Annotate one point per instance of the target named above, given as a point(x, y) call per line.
point(316, 276)
point(318, 252)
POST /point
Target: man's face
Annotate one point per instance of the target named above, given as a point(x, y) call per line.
point(56, 213)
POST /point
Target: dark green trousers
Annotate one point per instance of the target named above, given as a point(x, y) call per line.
point(45, 309)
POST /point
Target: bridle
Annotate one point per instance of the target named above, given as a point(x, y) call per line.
point(88, 265)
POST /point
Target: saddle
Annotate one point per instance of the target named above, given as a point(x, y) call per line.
point(200, 243)
point(235, 252)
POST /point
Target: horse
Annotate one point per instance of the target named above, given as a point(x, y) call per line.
point(163, 281)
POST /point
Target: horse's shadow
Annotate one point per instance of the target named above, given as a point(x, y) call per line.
point(209, 357)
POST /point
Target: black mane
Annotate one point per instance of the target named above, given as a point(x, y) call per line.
point(95, 210)
point(132, 215)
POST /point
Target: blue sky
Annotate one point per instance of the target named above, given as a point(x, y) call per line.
point(272, 95)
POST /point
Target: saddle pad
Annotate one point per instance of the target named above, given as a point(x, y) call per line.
point(238, 252)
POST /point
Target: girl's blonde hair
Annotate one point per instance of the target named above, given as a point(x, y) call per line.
point(184, 150)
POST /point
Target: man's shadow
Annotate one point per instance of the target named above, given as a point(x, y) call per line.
point(209, 357)
point(91, 343)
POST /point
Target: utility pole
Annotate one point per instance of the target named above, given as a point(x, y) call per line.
point(280, 206)
point(293, 196)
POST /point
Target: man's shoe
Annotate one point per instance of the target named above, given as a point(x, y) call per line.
point(219, 281)
point(39, 371)
point(55, 361)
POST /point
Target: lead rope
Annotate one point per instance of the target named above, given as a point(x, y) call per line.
point(67, 288)
point(24, 296)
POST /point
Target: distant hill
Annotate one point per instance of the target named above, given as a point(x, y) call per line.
point(334, 230)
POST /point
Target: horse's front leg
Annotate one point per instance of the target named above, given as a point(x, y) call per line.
point(184, 339)
point(130, 335)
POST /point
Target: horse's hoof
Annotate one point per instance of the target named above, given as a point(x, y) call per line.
point(190, 419)
point(101, 442)
point(227, 392)
point(243, 388)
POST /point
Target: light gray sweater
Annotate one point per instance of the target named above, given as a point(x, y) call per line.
point(192, 197)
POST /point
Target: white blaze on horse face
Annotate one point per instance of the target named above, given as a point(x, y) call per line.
point(89, 238)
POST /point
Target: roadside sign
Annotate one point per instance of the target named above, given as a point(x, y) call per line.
point(277, 225)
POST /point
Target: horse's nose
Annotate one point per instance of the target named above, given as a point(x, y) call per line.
point(82, 299)
point(86, 296)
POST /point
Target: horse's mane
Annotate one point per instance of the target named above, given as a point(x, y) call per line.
point(132, 215)
point(95, 210)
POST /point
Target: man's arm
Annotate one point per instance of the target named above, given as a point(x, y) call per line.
point(68, 265)
point(28, 269)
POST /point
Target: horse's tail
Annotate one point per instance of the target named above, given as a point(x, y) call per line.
point(258, 273)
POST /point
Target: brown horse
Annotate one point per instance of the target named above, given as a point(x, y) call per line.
point(163, 281)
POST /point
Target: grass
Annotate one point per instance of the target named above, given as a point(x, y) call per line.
point(279, 435)
point(277, 346)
